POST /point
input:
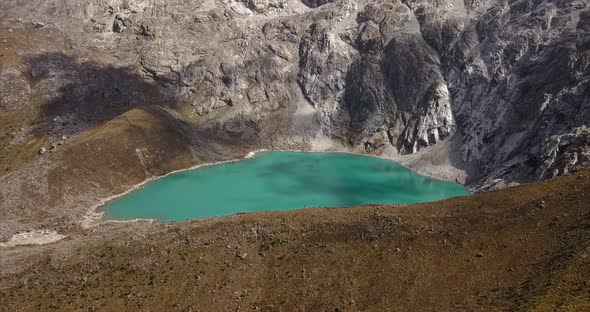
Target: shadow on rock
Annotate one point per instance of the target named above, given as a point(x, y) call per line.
point(76, 95)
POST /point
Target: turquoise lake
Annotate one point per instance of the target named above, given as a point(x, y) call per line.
point(279, 181)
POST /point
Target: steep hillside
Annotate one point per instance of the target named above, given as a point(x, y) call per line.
point(525, 248)
point(97, 95)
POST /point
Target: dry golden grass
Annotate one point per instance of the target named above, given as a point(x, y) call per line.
point(521, 249)
point(13, 156)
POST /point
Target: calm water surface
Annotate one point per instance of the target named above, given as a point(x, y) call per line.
point(279, 181)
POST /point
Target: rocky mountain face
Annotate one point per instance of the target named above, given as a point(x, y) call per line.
point(508, 79)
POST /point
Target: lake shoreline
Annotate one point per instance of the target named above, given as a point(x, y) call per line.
point(94, 217)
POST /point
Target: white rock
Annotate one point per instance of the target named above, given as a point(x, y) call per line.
point(35, 237)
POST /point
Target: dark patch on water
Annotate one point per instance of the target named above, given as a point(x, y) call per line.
point(280, 181)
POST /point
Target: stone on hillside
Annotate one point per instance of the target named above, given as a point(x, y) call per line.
point(256, 94)
point(118, 26)
point(147, 32)
point(316, 3)
point(121, 23)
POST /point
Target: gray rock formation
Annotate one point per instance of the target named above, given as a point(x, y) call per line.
point(511, 78)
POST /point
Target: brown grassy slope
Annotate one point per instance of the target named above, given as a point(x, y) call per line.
point(14, 156)
point(497, 251)
point(102, 161)
point(127, 150)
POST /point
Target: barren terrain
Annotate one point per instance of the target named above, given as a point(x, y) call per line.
point(525, 248)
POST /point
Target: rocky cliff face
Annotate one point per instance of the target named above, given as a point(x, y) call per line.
point(508, 79)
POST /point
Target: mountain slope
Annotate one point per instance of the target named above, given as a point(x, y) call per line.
point(491, 93)
point(525, 248)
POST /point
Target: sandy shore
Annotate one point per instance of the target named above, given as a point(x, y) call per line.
point(434, 161)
